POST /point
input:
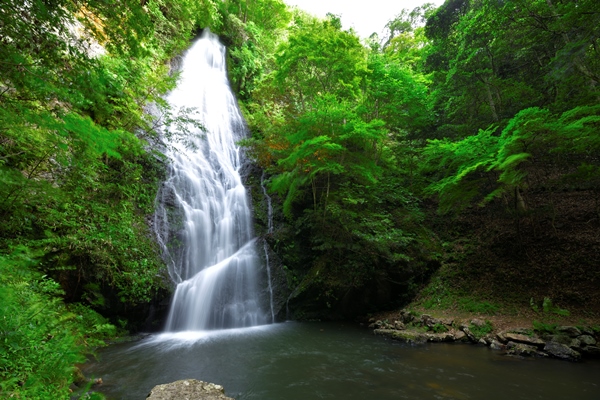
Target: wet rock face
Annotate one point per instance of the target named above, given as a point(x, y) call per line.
point(188, 389)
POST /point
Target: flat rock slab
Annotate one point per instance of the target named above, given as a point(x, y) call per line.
point(519, 338)
point(188, 389)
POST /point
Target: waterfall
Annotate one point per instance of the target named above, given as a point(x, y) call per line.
point(269, 204)
point(213, 257)
point(265, 245)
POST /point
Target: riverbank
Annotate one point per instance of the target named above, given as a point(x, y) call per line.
point(521, 334)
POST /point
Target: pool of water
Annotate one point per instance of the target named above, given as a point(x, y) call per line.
point(334, 361)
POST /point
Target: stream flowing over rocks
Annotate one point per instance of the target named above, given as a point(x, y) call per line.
point(563, 342)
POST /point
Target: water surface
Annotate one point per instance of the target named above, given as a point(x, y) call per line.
point(335, 361)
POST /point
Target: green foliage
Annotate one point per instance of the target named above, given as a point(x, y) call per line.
point(543, 327)
point(40, 338)
point(328, 125)
point(486, 166)
point(490, 59)
point(253, 30)
point(481, 331)
point(439, 328)
point(404, 40)
point(473, 305)
point(548, 308)
point(438, 294)
point(77, 181)
point(396, 94)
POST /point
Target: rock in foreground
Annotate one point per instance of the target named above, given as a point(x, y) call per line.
point(188, 389)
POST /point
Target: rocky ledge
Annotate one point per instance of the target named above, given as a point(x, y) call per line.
point(563, 342)
point(188, 389)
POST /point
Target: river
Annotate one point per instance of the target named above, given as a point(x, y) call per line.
point(300, 361)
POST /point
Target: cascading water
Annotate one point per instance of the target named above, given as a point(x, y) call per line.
point(265, 245)
point(214, 260)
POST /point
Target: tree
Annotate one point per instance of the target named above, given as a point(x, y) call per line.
point(253, 29)
point(492, 59)
point(486, 166)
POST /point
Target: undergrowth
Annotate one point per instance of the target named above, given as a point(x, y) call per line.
point(41, 338)
point(443, 293)
point(480, 331)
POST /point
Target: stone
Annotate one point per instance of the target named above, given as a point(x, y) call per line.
point(521, 349)
point(519, 338)
point(399, 325)
point(587, 340)
point(521, 331)
point(188, 389)
point(586, 330)
point(593, 351)
point(478, 322)
point(429, 321)
point(469, 334)
point(410, 337)
point(383, 332)
point(496, 345)
point(569, 330)
point(406, 316)
point(459, 335)
point(447, 321)
point(440, 337)
point(378, 325)
point(500, 336)
point(560, 350)
point(560, 338)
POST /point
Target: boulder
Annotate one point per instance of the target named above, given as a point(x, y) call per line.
point(575, 344)
point(519, 338)
point(469, 334)
point(459, 335)
point(593, 351)
point(406, 316)
point(399, 325)
point(440, 337)
point(408, 336)
point(429, 321)
point(501, 338)
point(586, 330)
point(560, 350)
point(376, 325)
point(188, 389)
point(496, 345)
point(587, 340)
point(521, 349)
point(522, 331)
point(572, 331)
point(478, 322)
point(560, 338)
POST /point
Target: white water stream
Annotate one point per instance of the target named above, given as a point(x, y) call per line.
point(213, 258)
